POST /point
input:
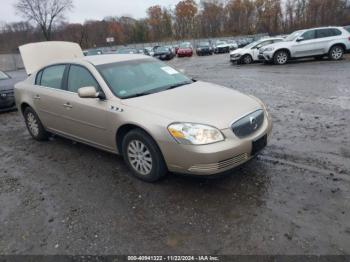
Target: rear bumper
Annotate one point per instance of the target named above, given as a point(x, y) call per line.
point(213, 158)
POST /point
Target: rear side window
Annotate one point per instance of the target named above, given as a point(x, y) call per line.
point(329, 32)
point(308, 35)
point(80, 77)
point(336, 32)
point(52, 76)
point(347, 28)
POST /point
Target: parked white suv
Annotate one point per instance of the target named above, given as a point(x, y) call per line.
point(315, 42)
point(249, 53)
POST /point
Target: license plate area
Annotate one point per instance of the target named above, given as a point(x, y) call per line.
point(259, 145)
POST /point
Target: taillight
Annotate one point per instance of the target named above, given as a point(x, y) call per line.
point(349, 38)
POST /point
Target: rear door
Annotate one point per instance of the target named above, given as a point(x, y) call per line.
point(87, 117)
point(325, 37)
point(49, 97)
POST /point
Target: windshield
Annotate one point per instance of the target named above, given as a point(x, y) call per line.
point(204, 44)
point(253, 44)
point(185, 45)
point(220, 43)
point(126, 51)
point(293, 36)
point(141, 77)
point(162, 49)
point(3, 76)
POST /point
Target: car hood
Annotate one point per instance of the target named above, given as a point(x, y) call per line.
point(283, 44)
point(223, 45)
point(6, 84)
point(200, 102)
point(238, 51)
point(185, 49)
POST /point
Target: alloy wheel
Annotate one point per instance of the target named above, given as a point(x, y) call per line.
point(282, 58)
point(139, 157)
point(33, 124)
point(337, 53)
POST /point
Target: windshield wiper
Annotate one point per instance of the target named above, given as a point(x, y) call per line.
point(138, 94)
point(178, 85)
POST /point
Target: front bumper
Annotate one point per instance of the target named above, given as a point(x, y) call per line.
point(266, 56)
point(213, 158)
point(235, 57)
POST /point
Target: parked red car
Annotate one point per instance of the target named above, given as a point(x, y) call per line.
point(185, 49)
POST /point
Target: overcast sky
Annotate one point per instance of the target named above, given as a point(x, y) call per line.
point(92, 9)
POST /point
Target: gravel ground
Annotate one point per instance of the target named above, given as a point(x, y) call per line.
point(60, 197)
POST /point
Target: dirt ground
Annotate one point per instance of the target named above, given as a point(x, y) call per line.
point(60, 197)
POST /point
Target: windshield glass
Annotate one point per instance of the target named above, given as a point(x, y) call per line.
point(3, 76)
point(185, 45)
point(141, 77)
point(253, 44)
point(162, 49)
point(293, 36)
point(204, 44)
point(126, 51)
point(220, 43)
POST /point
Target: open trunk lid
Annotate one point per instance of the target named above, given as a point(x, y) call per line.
point(37, 55)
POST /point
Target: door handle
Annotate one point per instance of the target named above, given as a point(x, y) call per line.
point(67, 105)
point(37, 97)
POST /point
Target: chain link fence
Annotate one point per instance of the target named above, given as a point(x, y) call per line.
point(12, 62)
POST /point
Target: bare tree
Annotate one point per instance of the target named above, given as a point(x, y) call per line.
point(44, 12)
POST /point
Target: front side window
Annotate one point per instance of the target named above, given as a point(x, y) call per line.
point(80, 77)
point(52, 76)
point(308, 35)
point(141, 77)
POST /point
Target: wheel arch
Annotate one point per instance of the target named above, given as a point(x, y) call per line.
point(283, 49)
point(23, 107)
point(337, 44)
point(126, 128)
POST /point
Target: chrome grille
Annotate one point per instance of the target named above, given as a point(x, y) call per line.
point(248, 124)
point(232, 162)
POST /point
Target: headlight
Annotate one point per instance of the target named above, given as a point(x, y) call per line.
point(195, 134)
point(269, 49)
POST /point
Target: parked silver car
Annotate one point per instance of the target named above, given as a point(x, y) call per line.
point(315, 42)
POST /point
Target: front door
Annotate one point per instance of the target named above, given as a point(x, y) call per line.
point(87, 117)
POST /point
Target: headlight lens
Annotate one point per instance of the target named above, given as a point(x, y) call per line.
point(195, 134)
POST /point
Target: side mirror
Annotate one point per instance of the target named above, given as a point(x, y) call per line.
point(88, 92)
point(300, 38)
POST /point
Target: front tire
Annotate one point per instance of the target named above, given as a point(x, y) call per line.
point(336, 53)
point(247, 59)
point(281, 57)
point(143, 157)
point(34, 125)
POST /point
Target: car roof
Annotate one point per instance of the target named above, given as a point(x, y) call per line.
point(109, 58)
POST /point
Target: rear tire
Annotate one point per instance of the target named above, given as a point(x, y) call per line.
point(34, 125)
point(281, 57)
point(143, 156)
point(336, 53)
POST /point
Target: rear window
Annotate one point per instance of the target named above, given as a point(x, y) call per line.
point(347, 28)
point(52, 76)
